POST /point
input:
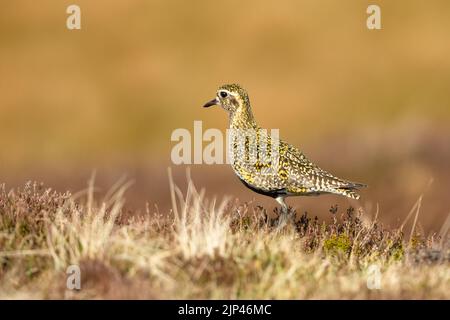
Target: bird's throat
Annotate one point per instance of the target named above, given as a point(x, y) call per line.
point(242, 119)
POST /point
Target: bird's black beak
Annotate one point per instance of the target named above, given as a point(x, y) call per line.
point(211, 103)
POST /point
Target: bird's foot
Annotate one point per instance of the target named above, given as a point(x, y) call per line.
point(285, 216)
point(283, 219)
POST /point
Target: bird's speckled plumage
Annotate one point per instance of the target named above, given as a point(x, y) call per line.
point(268, 165)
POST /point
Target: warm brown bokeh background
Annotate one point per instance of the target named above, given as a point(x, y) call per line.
point(371, 106)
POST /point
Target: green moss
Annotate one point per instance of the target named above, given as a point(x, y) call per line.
point(337, 244)
point(396, 251)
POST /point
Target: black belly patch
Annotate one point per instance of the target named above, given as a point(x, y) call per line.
point(272, 193)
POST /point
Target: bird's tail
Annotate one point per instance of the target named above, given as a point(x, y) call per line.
point(350, 190)
point(351, 193)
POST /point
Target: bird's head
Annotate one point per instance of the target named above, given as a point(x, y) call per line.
point(230, 97)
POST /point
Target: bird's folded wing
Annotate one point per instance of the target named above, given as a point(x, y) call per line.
point(312, 176)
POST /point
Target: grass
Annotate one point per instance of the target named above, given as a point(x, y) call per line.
point(207, 248)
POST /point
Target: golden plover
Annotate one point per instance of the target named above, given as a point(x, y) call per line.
point(268, 165)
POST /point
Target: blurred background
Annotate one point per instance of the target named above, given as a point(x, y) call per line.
point(368, 105)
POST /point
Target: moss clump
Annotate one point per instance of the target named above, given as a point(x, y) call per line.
point(395, 250)
point(397, 253)
point(337, 245)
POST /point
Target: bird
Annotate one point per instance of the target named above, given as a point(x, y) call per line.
point(268, 165)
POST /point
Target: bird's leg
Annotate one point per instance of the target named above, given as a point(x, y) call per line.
point(284, 211)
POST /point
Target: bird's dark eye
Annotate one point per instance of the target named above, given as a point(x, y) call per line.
point(223, 94)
